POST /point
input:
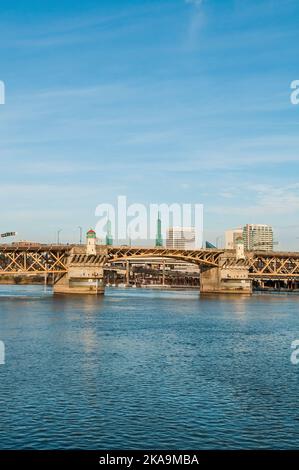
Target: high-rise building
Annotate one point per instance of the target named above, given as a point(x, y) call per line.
point(109, 239)
point(159, 239)
point(231, 237)
point(258, 237)
point(182, 238)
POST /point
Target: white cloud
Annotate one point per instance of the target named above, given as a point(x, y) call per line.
point(194, 2)
point(263, 200)
point(196, 23)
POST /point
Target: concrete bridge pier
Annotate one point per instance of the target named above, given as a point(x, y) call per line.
point(83, 279)
point(85, 269)
point(230, 277)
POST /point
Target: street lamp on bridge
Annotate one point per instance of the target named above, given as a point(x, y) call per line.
point(58, 236)
point(80, 229)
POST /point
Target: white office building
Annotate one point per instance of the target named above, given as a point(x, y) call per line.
point(182, 238)
point(258, 237)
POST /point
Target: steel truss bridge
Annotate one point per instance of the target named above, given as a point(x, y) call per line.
point(272, 265)
point(54, 259)
point(199, 257)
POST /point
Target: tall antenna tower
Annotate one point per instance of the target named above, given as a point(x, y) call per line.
point(159, 239)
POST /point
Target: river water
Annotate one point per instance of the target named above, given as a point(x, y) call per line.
point(142, 369)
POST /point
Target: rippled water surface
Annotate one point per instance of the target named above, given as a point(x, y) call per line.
point(141, 369)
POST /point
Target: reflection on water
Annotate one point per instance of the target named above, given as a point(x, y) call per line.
point(147, 369)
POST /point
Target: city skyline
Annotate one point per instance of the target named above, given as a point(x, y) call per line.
point(175, 237)
point(126, 96)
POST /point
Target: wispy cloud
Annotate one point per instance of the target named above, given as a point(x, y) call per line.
point(262, 200)
point(197, 3)
point(196, 22)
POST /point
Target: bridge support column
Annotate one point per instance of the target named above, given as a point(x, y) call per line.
point(85, 273)
point(231, 277)
point(83, 281)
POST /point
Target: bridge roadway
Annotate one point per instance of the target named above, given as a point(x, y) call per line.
point(48, 259)
point(59, 260)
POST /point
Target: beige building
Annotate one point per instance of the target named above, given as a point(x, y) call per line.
point(258, 237)
point(182, 238)
point(231, 237)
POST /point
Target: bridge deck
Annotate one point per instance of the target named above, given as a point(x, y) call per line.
point(24, 259)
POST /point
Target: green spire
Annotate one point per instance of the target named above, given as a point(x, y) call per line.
point(109, 239)
point(159, 239)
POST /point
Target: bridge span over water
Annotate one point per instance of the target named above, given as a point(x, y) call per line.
point(80, 268)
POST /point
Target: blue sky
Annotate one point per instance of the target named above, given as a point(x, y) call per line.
point(160, 100)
